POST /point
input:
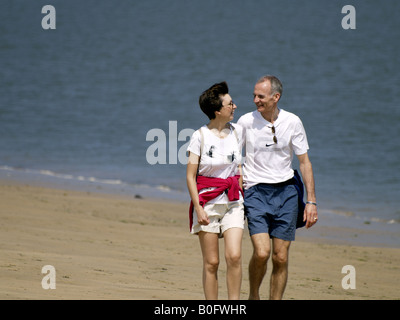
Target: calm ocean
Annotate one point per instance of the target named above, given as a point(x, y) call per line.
point(77, 103)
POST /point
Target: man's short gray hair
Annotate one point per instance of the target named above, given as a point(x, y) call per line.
point(276, 84)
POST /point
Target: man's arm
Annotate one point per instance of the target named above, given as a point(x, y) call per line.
point(310, 211)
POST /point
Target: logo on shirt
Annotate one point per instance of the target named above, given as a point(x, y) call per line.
point(210, 152)
point(231, 157)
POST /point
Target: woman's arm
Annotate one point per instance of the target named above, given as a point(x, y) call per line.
point(241, 176)
point(191, 174)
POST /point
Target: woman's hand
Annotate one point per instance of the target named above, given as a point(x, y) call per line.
point(202, 216)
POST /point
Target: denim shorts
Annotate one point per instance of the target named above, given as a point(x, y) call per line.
point(272, 209)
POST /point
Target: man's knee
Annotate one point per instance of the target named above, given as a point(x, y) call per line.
point(261, 255)
point(280, 253)
point(280, 259)
point(262, 247)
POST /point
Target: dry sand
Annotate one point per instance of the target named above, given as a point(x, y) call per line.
point(116, 247)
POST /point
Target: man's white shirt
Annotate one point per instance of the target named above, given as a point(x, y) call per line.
point(265, 160)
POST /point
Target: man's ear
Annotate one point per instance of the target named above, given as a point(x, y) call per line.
point(277, 97)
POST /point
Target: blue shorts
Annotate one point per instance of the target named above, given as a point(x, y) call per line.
point(272, 209)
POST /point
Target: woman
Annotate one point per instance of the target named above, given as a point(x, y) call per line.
point(215, 187)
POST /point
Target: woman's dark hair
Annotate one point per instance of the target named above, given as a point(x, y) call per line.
point(210, 100)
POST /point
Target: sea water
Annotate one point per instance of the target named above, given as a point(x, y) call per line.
point(77, 103)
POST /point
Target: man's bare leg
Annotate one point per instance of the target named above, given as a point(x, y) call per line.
point(258, 263)
point(280, 263)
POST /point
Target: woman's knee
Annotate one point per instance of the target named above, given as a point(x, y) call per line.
point(233, 258)
point(211, 264)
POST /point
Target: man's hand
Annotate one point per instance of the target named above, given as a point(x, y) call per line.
point(310, 215)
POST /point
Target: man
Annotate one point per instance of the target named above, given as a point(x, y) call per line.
point(272, 135)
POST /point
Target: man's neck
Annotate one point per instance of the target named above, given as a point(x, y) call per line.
point(271, 116)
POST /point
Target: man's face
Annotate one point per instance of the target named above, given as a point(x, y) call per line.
point(263, 99)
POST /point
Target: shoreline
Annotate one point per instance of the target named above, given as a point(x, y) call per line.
point(337, 227)
point(108, 246)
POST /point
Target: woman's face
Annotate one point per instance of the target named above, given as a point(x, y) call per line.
point(228, 107)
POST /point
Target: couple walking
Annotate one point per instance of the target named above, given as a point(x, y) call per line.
point(223, 192)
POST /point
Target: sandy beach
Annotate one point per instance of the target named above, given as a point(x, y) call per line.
point(117, 247)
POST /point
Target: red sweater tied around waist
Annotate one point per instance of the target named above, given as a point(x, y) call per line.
point(231, 184)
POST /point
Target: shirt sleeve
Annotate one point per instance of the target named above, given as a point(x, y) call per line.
point(194, 144)
point(299, 140)
point(241, 132)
